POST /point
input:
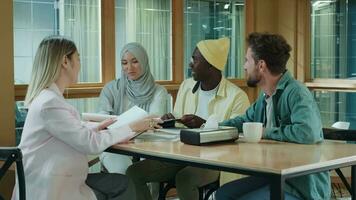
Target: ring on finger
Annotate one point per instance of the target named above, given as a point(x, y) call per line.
point(151, 123)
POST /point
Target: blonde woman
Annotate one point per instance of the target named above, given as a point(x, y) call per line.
point(55, 142)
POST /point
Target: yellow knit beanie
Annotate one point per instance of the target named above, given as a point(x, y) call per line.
point(215, 51)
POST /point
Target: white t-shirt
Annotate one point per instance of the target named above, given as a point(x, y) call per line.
point(270, 112)
point(204, 97)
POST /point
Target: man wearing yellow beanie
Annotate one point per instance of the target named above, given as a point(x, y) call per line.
point(206, 93)
point(215, 51)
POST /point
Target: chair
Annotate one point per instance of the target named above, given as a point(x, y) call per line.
point(341, 125)
point(20, 116)
point(164, 187)
point(204, 191)
point(209, 189)
point(343, 135)
point(11, 155)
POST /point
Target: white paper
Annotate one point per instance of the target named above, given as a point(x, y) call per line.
point(211, 123)
point(157, 136)
point(131, 115)
point(173, 131)
point(96, 117)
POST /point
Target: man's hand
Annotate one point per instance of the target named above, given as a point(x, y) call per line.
point(192, 121)
point(167, 116)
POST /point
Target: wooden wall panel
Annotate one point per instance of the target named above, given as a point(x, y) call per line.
point(7, 115)
point(289, 19)
point(303, 40)
point(178, 40)
point(108, 40)
point(7, 109)
point(7, 184)
point(265, 14)
point(287, 27)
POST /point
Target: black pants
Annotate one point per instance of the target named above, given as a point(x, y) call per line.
point(111, 186)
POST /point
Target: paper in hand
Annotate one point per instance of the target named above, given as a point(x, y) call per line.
point(131, 115)
point(96, 117)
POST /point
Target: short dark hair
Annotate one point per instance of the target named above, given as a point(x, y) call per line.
point(272, 48)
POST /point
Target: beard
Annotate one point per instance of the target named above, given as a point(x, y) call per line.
point(252, 82)
point(194, 76)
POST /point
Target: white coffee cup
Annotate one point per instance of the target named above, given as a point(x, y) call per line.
point(252, 131)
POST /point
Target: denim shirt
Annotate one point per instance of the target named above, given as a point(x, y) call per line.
point(297, 119)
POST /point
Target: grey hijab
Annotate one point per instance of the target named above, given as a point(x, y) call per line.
point(139, 91)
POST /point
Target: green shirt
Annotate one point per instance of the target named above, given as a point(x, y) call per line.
point(297, 119)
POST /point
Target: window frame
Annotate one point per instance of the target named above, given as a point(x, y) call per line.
point(85, 90)
point(317, 84)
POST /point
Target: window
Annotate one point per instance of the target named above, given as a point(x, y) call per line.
point(36, 19)
point(211, 19)
point(149, 23)
point(336, 106)
point(33, 20)
point(333, 39)
point(80, 20)
point(333, 60)
point(85, 104)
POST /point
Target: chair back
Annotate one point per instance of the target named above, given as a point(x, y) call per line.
point(11, 155)
point(341, 125)
point(339, 134)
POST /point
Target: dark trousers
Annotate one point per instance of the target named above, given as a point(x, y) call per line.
point(249, 188)
point(111, 186)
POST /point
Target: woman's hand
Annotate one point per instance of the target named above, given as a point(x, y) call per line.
point(104, 124)
point(148, 123)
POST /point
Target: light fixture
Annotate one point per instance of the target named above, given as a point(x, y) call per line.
point(226, 6)
point(323, 2)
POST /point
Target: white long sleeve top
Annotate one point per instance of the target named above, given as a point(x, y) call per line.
point(55, 144)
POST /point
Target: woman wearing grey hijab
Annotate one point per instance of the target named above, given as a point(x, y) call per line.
point(136, 87)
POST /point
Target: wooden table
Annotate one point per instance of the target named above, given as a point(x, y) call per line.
point(276, 161)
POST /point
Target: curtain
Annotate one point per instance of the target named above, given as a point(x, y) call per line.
point(149, 23)
point(154, 33)
point(80, 20)
point(235, 64)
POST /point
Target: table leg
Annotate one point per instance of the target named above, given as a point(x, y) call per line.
point(277, 188)
point(353, 182)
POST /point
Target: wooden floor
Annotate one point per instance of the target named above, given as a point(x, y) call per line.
point(339, 192)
